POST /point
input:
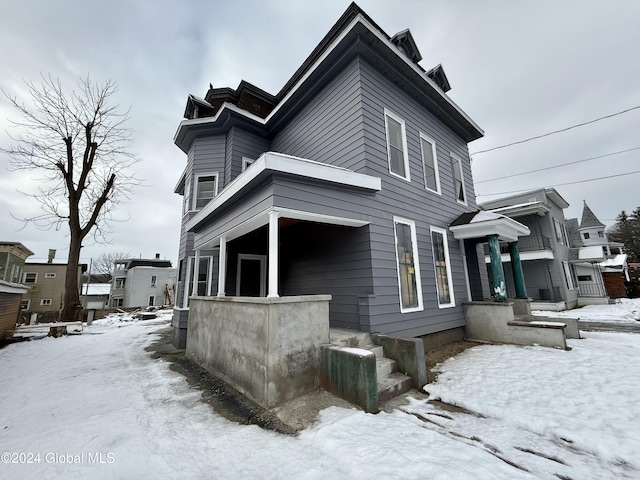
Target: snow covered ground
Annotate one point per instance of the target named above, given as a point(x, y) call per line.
point(96, 405)
point(625, 310)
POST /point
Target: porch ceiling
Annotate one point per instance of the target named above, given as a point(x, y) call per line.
point(480, 224)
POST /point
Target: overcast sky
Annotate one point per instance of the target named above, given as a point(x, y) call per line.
point(519, 69)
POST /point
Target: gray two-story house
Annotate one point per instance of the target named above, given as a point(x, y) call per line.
point(545, 252)
point(344, 183)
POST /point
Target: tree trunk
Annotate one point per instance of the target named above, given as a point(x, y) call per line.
point(71, 306)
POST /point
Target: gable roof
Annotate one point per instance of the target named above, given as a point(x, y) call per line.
point(354, 34)
point(588, 218)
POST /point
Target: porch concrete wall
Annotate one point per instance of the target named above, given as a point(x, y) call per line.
point(584, 301)
point(268, 348)
point(494, 322)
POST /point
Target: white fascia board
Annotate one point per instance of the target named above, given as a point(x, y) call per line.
point(181, 180)
point(8, 287)
point(538, 208)
point(524, 256)
point(358, 19)
point(319, 217)
point(506, 229)
point(277, 162)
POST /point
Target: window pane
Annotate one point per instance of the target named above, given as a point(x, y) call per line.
point(396, 147)
point(458, 181)
point(440, 263)
point(406, 266)
point(429, 165)
point(206, 190)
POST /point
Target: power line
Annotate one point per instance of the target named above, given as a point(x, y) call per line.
point(555, 131)
point(560, 184)
point(560, 165)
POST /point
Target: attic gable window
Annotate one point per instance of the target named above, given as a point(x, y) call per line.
point(206, 187)
point(458, 179)
point(396, 145)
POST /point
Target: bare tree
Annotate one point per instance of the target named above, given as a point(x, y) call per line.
point(104, 266)
point(79, 145)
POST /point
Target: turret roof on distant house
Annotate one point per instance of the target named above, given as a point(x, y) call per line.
point(589, 219)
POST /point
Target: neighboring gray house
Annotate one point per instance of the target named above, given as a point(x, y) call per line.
point(600, 265)
point(548, 272)
point(343, 183)
point(139, 282)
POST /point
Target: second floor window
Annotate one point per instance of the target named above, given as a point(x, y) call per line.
point(430, 164)
point(396, 145)
point(154, 279)
point(119, 282)
point(30, 277)
point(458, 179)
point(45, 302)
point(206, 188)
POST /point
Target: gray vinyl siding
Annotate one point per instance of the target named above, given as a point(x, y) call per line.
point(329, 127)
point(241, 143)
point(209, 157)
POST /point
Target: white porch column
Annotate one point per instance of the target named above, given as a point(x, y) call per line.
point(222, 267)
point(273, 254)
point(196, 273)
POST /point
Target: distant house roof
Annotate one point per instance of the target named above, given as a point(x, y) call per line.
point(96, 289)
point(618, 261)
point(9, 246)
point(589, 219)
point(144, 262)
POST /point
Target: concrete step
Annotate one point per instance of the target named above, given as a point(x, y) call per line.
point(376, 349)
point(392, 385)
point(349, 338)
point(385, 366)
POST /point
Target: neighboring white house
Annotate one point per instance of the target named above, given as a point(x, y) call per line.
point(139, 282)
point(600, 265)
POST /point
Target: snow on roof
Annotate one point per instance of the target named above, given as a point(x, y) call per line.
point(96, 289)
point(617, 261)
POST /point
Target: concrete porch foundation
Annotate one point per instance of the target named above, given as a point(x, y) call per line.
point(267, 348)
point(494, 322)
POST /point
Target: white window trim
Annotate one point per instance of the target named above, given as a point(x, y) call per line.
point(154, 281)
point(24, 277)
point(416, 264)
point(432, 142)
point(186, 201)
point(27, 306)
point(457, 159)
point(405, 152)
point(567, 275)
point(194, 196)
point(189, 278)
point(443, 232)
point(247, 162)
point(152, 303)
point(50, 275)
point(46, 302)
point(263, 272)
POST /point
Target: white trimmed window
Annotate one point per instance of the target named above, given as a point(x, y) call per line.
point(247, 162)
point(458, 180)
point(442, 264)
point(206, 187)
point(154, 280)
point(30, 277)
point(50, 275)
point(408, 265)
point(396, 145)
point(117, 302)
point(430, 164)
point(152, 300)
point(205, 275)
point(567, 275)
point(44, 302)
point(25, 304)
point(120, 282)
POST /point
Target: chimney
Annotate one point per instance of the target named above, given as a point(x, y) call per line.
point(51, 256)
point(157, 256)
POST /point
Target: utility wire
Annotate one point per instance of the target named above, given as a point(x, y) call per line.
point(560, 165)
point(560, 184)
point(555, 131)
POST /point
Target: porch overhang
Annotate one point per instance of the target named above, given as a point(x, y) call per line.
point(481, 224)
point(520, 210)
point(269, 163)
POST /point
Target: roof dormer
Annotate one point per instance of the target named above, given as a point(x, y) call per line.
point(404, 41)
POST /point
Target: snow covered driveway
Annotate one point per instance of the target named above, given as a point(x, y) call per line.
point(98, 406)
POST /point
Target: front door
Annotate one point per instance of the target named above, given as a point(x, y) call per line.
point(251, 277)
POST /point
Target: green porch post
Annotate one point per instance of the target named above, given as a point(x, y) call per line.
point(516, 267)
point(497, 274)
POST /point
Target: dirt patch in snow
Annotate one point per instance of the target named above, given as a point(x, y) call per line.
point(437, 355)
